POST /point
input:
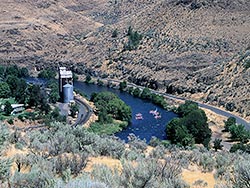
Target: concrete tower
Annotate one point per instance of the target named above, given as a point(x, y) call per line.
point(65, 82)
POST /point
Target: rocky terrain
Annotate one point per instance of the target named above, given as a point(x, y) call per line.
point(185, 47)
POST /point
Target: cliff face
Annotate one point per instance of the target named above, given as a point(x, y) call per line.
point(181, 46)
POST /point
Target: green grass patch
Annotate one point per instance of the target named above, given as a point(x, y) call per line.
point(107, 129)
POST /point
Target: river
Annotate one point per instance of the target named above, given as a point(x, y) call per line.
point(145, 128)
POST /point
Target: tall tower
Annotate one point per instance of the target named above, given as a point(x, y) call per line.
point(65, 85)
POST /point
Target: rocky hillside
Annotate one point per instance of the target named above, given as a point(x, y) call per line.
point(186, 47)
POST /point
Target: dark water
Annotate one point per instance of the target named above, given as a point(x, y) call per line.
point(144, 129)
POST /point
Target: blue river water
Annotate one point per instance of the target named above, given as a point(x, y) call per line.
point(145, 128)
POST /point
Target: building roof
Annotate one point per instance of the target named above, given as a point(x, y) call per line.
point(17, 105)
point(64, 73)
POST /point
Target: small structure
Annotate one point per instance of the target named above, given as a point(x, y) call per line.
point(65, 85)
point(16, 108)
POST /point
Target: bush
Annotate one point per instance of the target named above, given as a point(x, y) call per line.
point(242, 174)
point(134, 39)
point(115, 33)
point(10, 121)
point(241, 147)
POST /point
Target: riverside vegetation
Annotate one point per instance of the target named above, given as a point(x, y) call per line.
point(14, 89)
point(57, 156)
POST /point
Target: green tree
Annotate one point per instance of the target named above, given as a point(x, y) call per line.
point(146, 93)
point(88, 78)
point(34, 95)
point(23, 72)
point(130, 31)
point(104, 117)
point(239, 133)
point(7, 108)
point(137, 92)
point(192, 121)
point(2, 72)
point(5, 91)
point(109, 103)
point(229, 122)
point(159, 100)
point(12, 81)
point(21, 91)
point(196, 123)
point(122, 85)
point(54, 96)
point(217, 144)
point(75, 77)
point(134, 39)
point(12, 70)
point(187, 107)
point(74, 108)
point(240, 146)
point(178, 134)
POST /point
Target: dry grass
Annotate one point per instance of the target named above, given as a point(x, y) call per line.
point(111, 163)
point(191, 176)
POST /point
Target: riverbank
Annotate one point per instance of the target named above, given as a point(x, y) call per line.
point(115, 84)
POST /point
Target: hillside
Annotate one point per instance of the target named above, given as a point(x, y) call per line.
point(64, 157)
point(192, 48)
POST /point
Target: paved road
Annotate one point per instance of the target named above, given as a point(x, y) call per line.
point(84, 113)
point(216, 110)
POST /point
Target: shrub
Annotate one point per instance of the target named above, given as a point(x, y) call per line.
point(115, 33)
point(134, 39)
point(241, 147)
point(242, 174)
point(10, 121)
point(47, 74)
